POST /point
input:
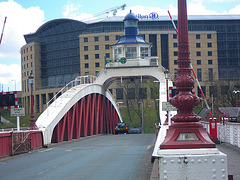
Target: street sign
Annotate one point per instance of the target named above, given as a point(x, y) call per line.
point(166, 106)
point(18, 112)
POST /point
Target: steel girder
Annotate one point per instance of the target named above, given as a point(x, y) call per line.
point(93, 114)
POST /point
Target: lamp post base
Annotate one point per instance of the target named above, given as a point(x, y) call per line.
point(32, 125)
point(187, 135)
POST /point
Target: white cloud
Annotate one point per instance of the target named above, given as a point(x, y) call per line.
point(72, 10)
point(224, 0)
point(197, 8)
point(9, 73)
point(235, 10)
point(20, 21)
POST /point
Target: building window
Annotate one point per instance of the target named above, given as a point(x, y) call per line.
point(143, 51)
point(198, 53)
point(86, 65)
point(31, 48)
point(209, 45)
point(106, 38)
point(213, 91)
point(43, 98)
point(224, 90)
point(131, 52)
point(117, 37)
point(97, 64)
point(85, 48)
point(199, 74)
point(209, 53)
point(210, 74)
point(31, 56)
point(119, 93)
point(198, 36)
point(107, 46)
point(199, 62)
point(198, 45)
point(174, 36)
point(96, 38)
point(96, 73)
point(175, 73)
point(209, 36)
point(175, 62)
point(31, 64)
point(85, 39)
point(142, 93)
point(209, 61)
point(175, 45)
point(86, 73)
point(175, 53)
point(154, 93)
point(204, 91)
point(96, 47)
point(107, 55)
point(96, 56)
point(86, 56)
point(131, 93)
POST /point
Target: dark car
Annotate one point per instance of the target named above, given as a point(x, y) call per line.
point(134, 131)
point(121, 128)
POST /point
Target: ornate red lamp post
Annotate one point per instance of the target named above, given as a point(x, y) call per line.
point(32, 120)
point(167, 76)
point(186, 132)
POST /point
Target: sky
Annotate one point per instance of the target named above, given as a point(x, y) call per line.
point(26, 16)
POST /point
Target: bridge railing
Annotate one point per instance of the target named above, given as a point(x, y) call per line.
point(228, 132)
point(137, 61)
point(77, 81)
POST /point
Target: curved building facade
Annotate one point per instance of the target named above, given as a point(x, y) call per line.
point(63, 49)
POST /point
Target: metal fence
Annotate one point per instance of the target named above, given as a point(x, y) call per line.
point(228, 132)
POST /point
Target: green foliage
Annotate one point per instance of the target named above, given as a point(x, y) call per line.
point(23, 120)
point(149, 119)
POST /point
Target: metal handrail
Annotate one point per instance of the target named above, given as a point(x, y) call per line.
point(77, 81)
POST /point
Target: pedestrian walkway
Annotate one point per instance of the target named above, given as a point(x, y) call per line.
point(233, 158)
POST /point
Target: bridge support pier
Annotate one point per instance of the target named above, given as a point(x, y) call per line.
point(194, 164)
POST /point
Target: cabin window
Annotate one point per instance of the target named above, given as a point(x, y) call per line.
point(144, 52)
point(118, 53)
point(131, 52)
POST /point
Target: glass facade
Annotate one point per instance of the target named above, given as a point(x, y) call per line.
point(60, 56)
point(60, 52)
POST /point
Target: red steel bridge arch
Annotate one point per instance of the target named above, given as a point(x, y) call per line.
point(84, 110)
point(93, 114)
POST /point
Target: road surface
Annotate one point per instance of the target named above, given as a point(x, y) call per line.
point(104, 157)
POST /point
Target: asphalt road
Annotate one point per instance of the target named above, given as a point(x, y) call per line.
point(233, 159)
point(108, 157)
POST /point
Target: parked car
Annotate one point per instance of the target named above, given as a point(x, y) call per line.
point(121, 128)
point(134, 131)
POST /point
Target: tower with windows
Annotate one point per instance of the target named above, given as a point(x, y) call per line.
point(131, 45)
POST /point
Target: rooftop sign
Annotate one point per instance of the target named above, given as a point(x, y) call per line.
point(151, 16)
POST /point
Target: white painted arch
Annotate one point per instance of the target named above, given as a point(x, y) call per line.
point(56, 111)
point(109, 75)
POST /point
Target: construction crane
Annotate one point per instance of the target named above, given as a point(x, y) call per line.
point(107, 11)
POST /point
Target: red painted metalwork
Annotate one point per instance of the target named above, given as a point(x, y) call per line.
point(36, 141)
point(185, 121)
point(92, 115)
point(225, 118)
point(213, 128)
